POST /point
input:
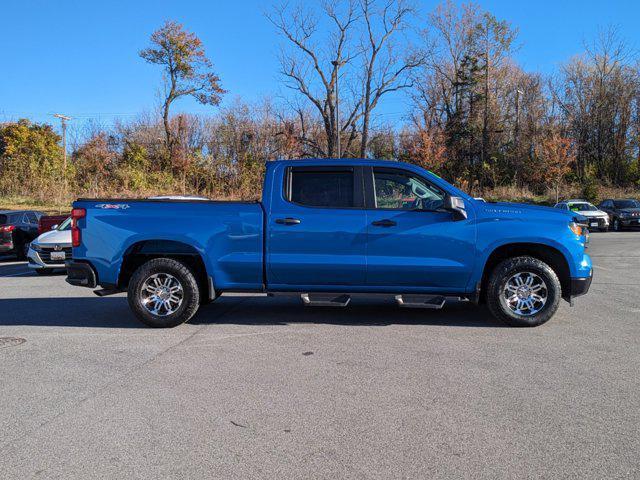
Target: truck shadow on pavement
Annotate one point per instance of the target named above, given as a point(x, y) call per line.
point(113, 312)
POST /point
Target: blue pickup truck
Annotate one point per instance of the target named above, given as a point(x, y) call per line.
point(327, 230)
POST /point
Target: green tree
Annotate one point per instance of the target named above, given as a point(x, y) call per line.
point(30, 158)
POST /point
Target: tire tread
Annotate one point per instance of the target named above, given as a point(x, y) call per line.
point(190, 285)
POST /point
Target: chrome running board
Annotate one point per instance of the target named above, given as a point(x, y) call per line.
point(421, 301)
point(324, 300)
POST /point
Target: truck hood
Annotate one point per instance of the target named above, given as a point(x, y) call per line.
point(522, 210)
point(629, 210)
point(54, 237)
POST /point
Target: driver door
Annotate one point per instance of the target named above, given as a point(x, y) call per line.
point(411, 240)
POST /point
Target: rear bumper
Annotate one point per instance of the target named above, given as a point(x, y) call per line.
point(81, 274)
point(6, 242)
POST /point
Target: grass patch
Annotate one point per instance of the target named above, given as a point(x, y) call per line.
point(27, 203)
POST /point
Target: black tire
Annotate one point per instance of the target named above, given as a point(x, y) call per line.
point(22, 249)
point(616, 225)
point(497, 302)
point(190, 293)
point(44, 271)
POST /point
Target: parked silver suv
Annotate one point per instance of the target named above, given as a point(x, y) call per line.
point(596, 219)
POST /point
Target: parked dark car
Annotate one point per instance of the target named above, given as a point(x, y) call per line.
point(623, 213)
point(17, 229)
point(47, 222)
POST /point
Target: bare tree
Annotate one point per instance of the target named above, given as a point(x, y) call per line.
point(387, 68)
point(360, 53)
point(311, 69)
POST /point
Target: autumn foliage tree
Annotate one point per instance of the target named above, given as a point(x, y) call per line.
point(188, 71)
point(556, 156)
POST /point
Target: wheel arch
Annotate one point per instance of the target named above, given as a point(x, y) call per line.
point(142, 251)
point(546, 253)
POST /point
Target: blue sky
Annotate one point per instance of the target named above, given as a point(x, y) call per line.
point(81, 57)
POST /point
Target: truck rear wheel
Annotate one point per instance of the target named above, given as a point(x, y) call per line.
point(523, 292)
point(163, 293)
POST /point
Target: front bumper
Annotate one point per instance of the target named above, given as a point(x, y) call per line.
point(580, 286)
point(81, 274)
point(597, 222)
point(37, 263)
point(630, 222)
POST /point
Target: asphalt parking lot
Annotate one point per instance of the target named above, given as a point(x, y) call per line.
point(266, 388)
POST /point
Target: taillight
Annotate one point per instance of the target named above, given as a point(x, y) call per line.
point(7, 228)
point(76, 214)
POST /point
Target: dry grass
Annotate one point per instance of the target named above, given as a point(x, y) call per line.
point(26, 203)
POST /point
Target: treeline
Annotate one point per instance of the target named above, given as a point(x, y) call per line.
point(475, 116)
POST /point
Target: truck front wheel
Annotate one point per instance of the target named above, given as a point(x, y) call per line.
point(523, 292)
point(163, 293)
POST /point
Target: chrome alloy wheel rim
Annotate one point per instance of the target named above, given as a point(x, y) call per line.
point(161, 294)
point(525, 293)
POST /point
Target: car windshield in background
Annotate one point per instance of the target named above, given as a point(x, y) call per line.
point(66, 225)
point(626, 204)
point(582, 207)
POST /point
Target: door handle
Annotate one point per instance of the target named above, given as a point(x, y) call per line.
point(384, 223)
point(288, 221)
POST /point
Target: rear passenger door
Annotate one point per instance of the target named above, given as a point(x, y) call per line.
point(316, 230)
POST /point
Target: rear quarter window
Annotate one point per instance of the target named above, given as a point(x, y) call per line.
point(331, 189)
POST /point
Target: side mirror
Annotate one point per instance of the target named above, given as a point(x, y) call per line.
point(53, 227)
point(456, 206)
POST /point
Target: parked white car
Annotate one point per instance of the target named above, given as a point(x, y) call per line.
point(49, 251)
point(596, 219)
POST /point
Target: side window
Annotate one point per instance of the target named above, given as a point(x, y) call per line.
point(322, 188)
point(404, 191)
point(32, 218)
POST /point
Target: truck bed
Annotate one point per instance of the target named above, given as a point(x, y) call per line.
point(228, 235)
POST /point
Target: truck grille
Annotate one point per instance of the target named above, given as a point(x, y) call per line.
point(45, 255)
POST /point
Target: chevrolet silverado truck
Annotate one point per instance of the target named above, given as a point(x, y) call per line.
point(327, 230)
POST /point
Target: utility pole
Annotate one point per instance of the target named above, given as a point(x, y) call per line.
point(336, 65)
point(63, 122)
point(516, 134)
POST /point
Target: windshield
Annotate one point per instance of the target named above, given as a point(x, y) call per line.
point(66, 225)
point(626, 204)
point(582, 207)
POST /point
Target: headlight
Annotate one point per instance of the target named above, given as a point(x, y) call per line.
point(577, 229)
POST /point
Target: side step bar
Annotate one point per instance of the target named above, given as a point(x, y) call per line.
point(421, 301)
point(320, 300)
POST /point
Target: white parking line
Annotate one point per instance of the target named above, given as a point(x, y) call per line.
point(602, 268)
